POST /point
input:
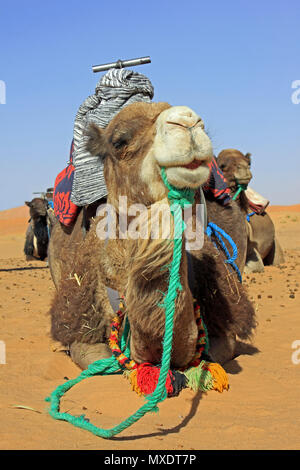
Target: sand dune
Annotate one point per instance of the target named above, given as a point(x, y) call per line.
point(292, 208)
point(260, 411)
point(15, 213)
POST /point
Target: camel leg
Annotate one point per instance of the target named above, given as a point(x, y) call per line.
point(222, 349)
point(53, 260)
point(42, 249)
point(144, 349)
point(254, 263)
point(29, 245)
point(84, 354)
point(59, 240)
point(275, 256)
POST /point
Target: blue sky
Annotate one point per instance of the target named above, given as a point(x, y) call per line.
point(233, 62)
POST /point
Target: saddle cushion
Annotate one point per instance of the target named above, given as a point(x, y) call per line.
point(65, 211)
point(257, 203)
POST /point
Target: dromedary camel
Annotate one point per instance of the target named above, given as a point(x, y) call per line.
point(136, 144)
point(36, 243)
point(263, 246)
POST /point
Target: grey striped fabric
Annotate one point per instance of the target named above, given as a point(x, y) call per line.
point(116, 89)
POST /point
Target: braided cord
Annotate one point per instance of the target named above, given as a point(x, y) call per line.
point(250, 215)
point(213, 229)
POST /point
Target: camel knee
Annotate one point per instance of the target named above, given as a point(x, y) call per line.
point(29, 245)
point(84, 354)
point(254, 263)
point(276, 256)
point(222, 349)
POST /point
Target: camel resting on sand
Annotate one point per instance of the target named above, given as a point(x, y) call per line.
point(36, 243)
point(263, 246)
point(140, 140)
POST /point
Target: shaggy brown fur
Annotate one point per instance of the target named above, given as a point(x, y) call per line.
point(137, 268)
point(148, 276)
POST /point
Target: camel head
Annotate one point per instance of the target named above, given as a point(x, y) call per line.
point(38, 207)
point(144, 137)
point(235, 166)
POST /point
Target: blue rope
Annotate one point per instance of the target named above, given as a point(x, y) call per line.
point(213, 229)
point(250, 215)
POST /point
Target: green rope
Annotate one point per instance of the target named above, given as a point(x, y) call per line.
point(241, 187)
point(178, 198)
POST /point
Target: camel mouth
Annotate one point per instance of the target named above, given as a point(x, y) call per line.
point(243, 180)
point(194, 164)
point(191, 175)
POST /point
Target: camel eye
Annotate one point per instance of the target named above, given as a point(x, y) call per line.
point(118, 144)
point(119, 140)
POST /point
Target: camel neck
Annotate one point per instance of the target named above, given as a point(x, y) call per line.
point(240, 197)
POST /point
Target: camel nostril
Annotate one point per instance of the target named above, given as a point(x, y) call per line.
point(185, 123)
point(172, 123)
point(181, 116)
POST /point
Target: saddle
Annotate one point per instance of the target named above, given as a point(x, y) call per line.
point(65, 211)
point(257, 203)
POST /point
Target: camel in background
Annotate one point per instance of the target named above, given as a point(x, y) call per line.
point(39, 228)
point(263, 246)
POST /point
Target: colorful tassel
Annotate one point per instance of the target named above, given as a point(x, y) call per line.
point(144, 379)
point(131, 375)
point(219, 376)
point(207, 376)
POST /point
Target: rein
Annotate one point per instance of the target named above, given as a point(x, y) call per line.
point(250, 215)
point(241, 187)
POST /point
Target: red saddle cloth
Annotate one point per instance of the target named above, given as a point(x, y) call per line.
point(65, 211)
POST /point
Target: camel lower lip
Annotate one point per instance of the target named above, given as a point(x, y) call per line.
point(243, 181)
point(193, 165)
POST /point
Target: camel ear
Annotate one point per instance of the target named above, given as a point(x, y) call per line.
point(248, 156)
point(97, 143)
point(28, 203)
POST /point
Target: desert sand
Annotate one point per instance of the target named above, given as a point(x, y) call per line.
point(260, 411)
